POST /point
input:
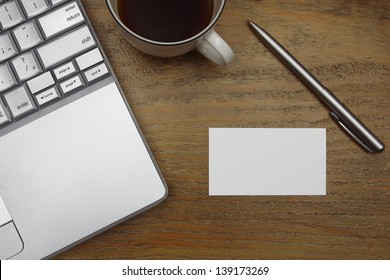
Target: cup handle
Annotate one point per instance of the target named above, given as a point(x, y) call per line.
point(215, 48)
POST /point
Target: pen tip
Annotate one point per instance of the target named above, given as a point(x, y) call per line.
point(251, 24)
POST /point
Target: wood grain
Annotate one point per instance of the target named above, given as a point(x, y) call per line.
point(346, 45)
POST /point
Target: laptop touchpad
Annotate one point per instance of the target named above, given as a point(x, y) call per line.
point(10, 242)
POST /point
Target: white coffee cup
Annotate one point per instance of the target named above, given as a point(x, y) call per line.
point(207, 42)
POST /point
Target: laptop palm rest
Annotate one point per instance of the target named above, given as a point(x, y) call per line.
point(76, 172)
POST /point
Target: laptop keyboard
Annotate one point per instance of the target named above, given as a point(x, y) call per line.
point(47, 52)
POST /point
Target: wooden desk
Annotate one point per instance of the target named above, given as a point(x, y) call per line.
point(346, 44)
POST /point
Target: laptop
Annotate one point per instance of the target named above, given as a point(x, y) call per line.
point(73, 161)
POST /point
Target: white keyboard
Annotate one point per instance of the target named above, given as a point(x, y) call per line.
point(47, 52)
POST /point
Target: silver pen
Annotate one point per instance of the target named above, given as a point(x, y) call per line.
point(344, 118)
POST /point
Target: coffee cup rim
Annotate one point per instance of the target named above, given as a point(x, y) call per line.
point(200, 34)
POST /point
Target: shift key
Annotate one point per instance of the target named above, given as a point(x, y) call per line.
point(66, 47)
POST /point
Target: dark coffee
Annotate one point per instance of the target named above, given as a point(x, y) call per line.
point(166, 20)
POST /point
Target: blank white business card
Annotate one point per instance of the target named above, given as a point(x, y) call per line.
point(267, 161)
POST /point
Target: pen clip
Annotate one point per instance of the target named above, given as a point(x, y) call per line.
point(349, 132)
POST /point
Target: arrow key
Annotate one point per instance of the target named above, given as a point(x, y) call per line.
point(96, 72)
point(64, 70)
point(47, 96)
point(71, 84)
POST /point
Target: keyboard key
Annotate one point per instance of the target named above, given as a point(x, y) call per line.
point(66, 47)
point(7, 47)
point(96, 72)
point(10, 14)
point(19, 102)
point(26, 66)
point(7, 79)
point(4, 115)
point(27, 35)
point(61, 19)
point(40, 83)
point(57, 2)
point(34, 7)
point(64, 70)
point(71, 84)
point(89, 59)
point(47, 96)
